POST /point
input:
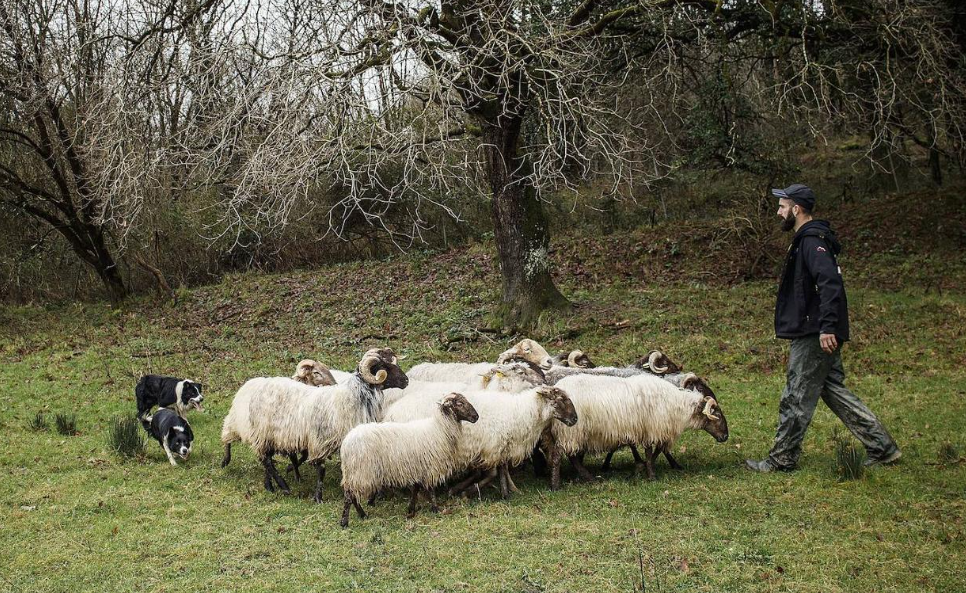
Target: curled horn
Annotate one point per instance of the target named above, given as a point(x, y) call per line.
point(572, 358)
point(708, 404)
point(365, 368)
point(688, 380)
point(652, 359)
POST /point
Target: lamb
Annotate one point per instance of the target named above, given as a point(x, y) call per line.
point(510, 426)
point(418, 453)
point(640, 410)
point(279, 415)
point(313, 373)
point(525, 351)
point(575, 358)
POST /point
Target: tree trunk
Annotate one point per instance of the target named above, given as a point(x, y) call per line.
point(520, 229)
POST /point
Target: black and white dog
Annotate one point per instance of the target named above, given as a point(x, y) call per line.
point(167, 392)
point(172, 431)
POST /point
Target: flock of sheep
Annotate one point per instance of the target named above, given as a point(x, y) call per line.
point(441, 420)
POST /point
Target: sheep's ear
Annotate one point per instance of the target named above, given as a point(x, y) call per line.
point(545, 392)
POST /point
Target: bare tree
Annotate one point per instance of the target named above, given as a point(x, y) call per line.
point(77, 148)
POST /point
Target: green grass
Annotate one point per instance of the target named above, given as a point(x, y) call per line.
point(79, 518)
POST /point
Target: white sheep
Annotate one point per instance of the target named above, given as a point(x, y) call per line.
point(510, 426)
point(279, 415)
point(641, 410)
point(460, 372)
point(509, 378)
point(418, 453)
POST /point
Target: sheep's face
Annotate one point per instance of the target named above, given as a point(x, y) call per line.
point(711, 419)
point(458, 407)
point(527, 351)
point(191, 395)
point(657, 363)
point(513, 377)
point(380, 367)
point(313, 373)
point(563, 408)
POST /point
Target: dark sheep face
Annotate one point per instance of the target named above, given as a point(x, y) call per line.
point(383, 369)
point(563, 408)
point(458, 407)
point(662, 364)
point(713, 419)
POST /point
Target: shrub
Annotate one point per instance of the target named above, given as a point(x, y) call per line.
point(126, 438)
point(38, 422)
point(948, 453)
point(66, 424)
point(848, 458)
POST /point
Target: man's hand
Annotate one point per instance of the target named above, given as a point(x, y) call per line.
point(828, 342)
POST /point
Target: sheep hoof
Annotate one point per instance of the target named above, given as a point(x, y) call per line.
point(317, 498)
point(344, 523)
point(434, 509)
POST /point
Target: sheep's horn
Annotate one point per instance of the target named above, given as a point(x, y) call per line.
point(652, 359)
point(707, 409)
point(365, 368)
point(572, 359)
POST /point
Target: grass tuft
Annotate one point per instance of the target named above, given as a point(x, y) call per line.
point(848, 458)
point(38, 422)
point(126, 438)
point(948, 453)
point(66, 424)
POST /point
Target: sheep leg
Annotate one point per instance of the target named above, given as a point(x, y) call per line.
point(431, 492)
point(581, 470)
point(227, 459)
point(411, 511)
point(294, 466)
point(372, 498)
point(540, 463)
point(490, 476)
point(610, 455)
point(359, 509)
point(474, 477)
point(652, 453)
point(504, 489)
point(296, 462)
point(554, 468)
point(509, 481)
point(672, 461)
point(320, 467)
point(271, 473)
point(350, 500)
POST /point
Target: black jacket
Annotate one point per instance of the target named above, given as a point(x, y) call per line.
point(811, 296)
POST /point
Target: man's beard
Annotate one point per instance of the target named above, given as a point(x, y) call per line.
point(788, 223)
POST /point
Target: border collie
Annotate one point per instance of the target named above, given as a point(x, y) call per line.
point(167, 392)
point(172, 431)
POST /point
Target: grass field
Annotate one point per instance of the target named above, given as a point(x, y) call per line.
point(78, 518)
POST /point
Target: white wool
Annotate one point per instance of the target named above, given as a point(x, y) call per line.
point(615, 411)
point(398, 454)
point(558, 372)
point(459, 372)
point(282, 414)
point(508, 429)
point(341, 377)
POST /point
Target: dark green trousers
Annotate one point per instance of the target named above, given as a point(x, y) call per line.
point(814, 374)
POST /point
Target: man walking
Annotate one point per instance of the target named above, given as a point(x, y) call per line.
point(813, 313)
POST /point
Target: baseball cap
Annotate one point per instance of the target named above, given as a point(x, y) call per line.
point(798, 193)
